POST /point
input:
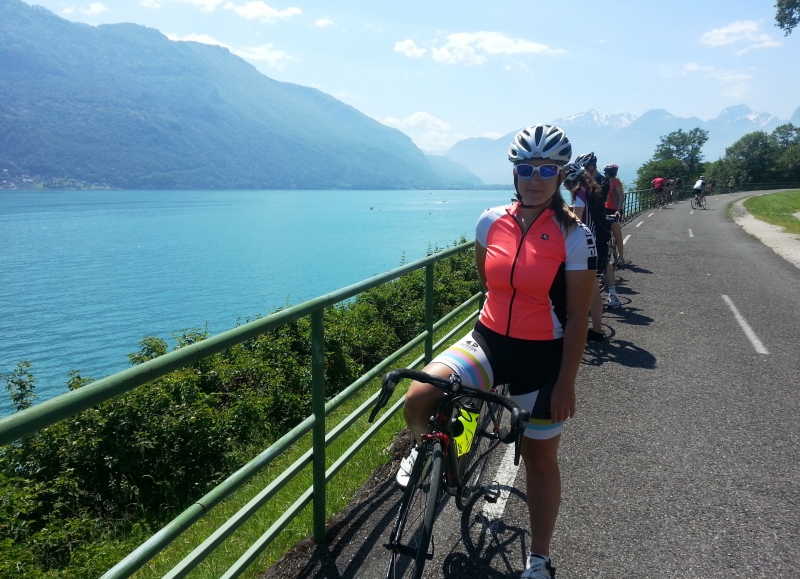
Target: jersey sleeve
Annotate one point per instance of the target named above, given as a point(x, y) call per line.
point(581, 249)
point(485, 222)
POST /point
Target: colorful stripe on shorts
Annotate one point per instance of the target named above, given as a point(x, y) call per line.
point(465, 360)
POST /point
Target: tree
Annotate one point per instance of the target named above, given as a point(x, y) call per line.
point(686, 147)
point(667, 168)
point(21, 385)
point(788, 15)
point(786, 135)
point(756, 153)
point(788, 166)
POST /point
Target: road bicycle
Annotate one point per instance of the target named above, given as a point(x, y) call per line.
point(660, 200)
point(698, 201)
point(452, 456)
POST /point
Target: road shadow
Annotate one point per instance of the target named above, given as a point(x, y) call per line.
point(619, 352)
point(489, 548)
point(626, 313)
point(630, 266)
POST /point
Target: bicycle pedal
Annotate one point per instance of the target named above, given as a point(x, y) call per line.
point(490, 494)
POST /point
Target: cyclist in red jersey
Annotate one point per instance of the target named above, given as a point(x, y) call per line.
point(658, 187)
point(537, 262)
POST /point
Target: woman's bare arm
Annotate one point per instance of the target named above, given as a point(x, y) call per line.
point(580, 285)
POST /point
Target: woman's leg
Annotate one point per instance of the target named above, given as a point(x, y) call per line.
point(421, 400)
point(543, 490)
point(596, 310)
point(616, 229)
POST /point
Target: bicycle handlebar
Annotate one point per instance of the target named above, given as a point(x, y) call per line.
point(519, 417)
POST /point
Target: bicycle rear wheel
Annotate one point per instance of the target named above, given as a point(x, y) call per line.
point(485, 440)
point(694, 202)
point(413, 529)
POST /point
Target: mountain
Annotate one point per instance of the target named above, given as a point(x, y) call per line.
point(453, 171)
point(124, 105)
point(795, 120)
point(619, 138)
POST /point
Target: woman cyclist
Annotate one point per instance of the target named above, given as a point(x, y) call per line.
point(537, 262)
point(614, 208)
point(587, 204)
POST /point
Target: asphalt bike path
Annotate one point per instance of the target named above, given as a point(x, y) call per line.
point(684, 457)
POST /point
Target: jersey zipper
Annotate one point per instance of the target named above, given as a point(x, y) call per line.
point(514, 266)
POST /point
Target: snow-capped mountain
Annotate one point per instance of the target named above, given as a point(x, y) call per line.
point(623, 138)
point(592, 118)
point(744, 113)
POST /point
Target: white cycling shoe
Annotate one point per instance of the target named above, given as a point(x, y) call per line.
point(406, 466)
point(539, 568)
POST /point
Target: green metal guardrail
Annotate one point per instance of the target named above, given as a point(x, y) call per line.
point(37, 417)
point(639, 200)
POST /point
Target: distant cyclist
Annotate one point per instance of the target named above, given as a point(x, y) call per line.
point(658, 188)
point(614, 207)
point(731, 186)
point(699, 189)
point(711, 185)
point(677, 187)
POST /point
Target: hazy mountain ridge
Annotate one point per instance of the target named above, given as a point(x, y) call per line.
point(124, 105)
point(620, 138)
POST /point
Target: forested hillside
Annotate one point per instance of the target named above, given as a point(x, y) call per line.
point(122, 104)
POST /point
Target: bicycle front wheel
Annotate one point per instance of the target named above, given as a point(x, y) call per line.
point(413, 529)
point(703, 203)
point(485, 440)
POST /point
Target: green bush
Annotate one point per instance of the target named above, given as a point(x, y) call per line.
point(77, 496)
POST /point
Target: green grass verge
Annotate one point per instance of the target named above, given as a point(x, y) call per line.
point(339, 493)
point(777, 209)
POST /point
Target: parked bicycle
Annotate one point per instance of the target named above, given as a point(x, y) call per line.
point(463, 432)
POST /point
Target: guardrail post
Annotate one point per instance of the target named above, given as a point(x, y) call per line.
point(429, 312)
point(318, 408)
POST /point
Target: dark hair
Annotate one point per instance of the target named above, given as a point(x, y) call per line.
point(586, 181)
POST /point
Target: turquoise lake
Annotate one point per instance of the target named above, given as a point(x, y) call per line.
point(85, 275)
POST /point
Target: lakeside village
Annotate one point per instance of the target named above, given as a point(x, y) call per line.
point(26, 182)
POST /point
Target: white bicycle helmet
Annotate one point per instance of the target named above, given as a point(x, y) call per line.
point(540, 142)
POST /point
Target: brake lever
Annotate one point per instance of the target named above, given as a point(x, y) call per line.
point(388, 384)
point(522, 424)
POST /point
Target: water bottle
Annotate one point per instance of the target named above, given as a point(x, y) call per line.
point(464, 427)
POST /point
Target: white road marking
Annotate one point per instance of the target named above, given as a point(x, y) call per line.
point(691, 212)
point(505, 481)
point(639, 224)
point(690, 233)
point(653, 213)
point(748, 331)
point(624, 241)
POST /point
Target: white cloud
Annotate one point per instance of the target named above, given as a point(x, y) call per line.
point(260, 10)
point(201, 38)
point(207, 5)
point(265, 53)
point(474, 48)
point(427, 132)
point(409, 48)
point(324, 22)
point(735, 84)
point(151, 4)
point(91, 10)
point(747, 31)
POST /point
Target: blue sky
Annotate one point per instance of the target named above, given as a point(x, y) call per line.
point(443, 71)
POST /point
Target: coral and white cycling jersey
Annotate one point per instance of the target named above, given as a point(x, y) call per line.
point(525, 272)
